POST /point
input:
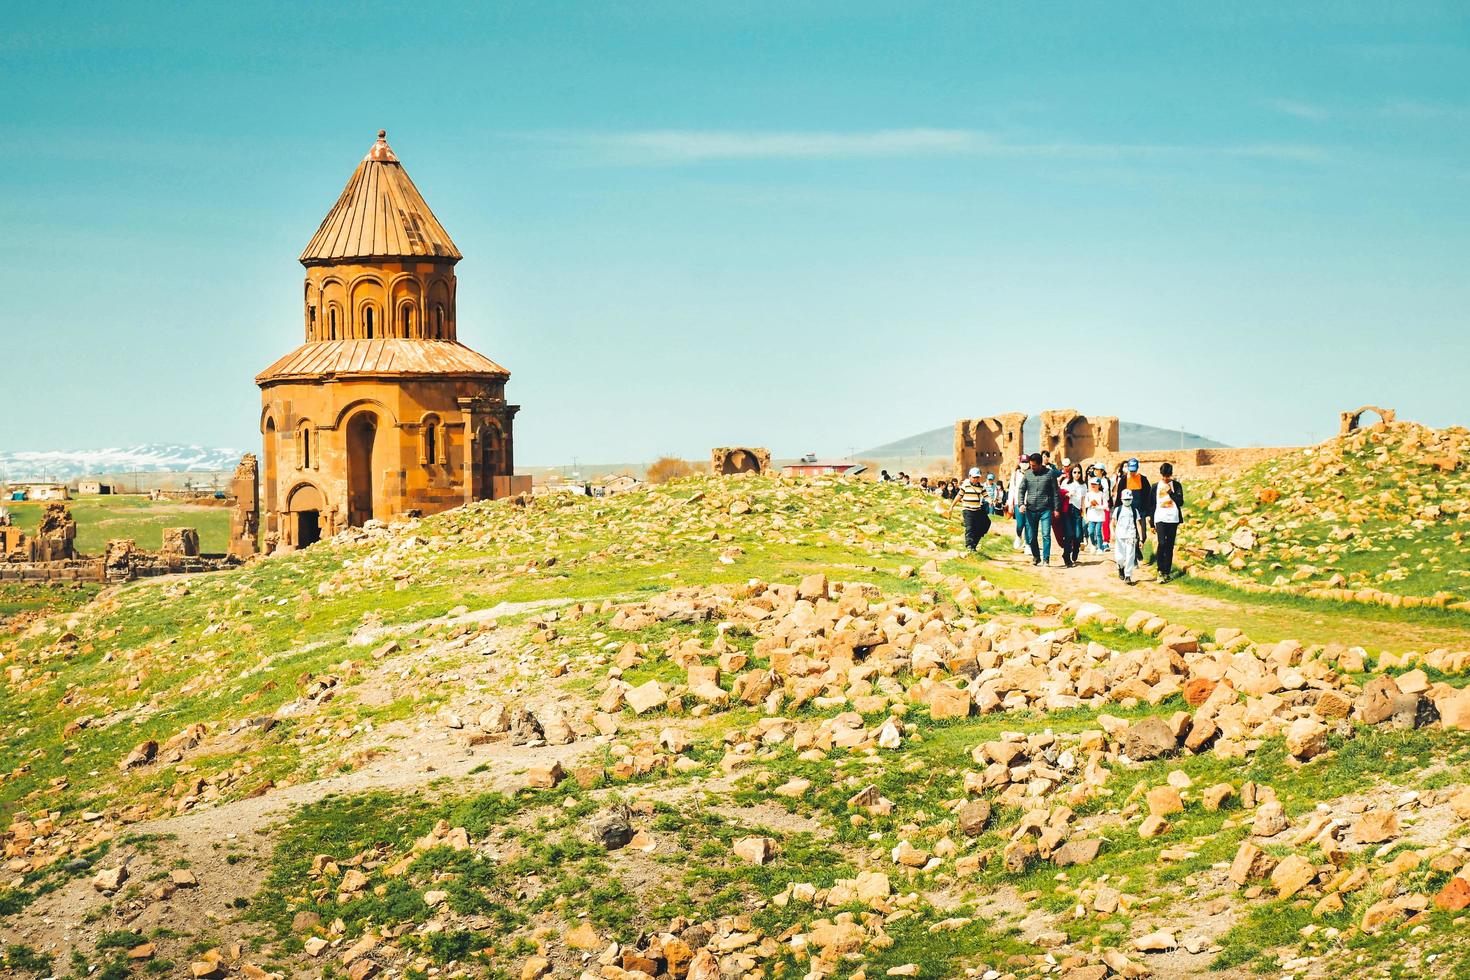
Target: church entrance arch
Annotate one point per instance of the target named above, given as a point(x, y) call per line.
point(304, 516)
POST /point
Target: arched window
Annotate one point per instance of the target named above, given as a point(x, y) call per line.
point(332, 316)
point(305, 448)
point(439, 321)
point(368, 321)
point(311, 322)
point(407, 316)
point(429, 450)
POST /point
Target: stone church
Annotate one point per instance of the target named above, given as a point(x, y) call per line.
point(382, 411)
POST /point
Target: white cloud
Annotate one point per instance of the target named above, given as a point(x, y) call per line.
point(1301, 110)
point(680, 146)
point(1413, 109)
point(698, 145)
point(1388, 109)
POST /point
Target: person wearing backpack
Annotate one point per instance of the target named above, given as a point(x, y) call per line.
point(1125, 537)
point(1168, 514)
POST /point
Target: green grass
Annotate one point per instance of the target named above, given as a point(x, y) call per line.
point(243, 643)
point(16, 597)
point(24, 959)
point(101, 519)
point(1357, 507)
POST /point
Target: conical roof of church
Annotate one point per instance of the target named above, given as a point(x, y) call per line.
point(380, 215)
point(389, 357)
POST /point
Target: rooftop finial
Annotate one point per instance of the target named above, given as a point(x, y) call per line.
point(381, 151)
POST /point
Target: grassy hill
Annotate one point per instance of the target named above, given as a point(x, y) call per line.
point(1380, 510)
point(1132, 436)
point(717, 728)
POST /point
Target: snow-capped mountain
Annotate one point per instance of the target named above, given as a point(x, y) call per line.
point(156, 457)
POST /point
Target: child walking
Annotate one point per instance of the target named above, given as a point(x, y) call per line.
point(1125, 537)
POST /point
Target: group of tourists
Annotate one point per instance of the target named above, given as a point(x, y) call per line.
point(1082, 507)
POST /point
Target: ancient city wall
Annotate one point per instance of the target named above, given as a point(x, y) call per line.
point(1195, 463)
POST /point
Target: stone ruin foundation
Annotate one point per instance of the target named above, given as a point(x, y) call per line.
point(51, 555)
point(183, 541)
point(732, 460)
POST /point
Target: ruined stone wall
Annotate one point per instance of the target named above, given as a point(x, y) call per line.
point(56, 537)
point(182, 541)
point(1198, 463)
point(730, 460)
point(989, 442)
point(116, 567)
point(75, 570)
point(1068, 434)
point(245, 514)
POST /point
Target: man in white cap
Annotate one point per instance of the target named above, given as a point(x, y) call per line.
point(974, 508)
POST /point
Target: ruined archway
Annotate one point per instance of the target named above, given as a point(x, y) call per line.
point(733, 460)
point(362, 433)
point(1080, 441)
point(1353, 420)
point(742, 461)
point(268, 480)
point(490, 442)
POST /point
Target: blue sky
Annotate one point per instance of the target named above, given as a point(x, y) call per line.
point(803, 225)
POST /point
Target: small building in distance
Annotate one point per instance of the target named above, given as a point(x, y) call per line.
point(382, 411)
point(93, 488)
point(36, 490)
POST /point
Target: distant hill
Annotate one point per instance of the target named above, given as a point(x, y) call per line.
point(70, 464)
point(1132, 437)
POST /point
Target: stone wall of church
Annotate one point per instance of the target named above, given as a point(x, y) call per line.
point(357, 450)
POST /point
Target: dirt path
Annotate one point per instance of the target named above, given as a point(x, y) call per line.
point(227, 847)
point(1096, 578)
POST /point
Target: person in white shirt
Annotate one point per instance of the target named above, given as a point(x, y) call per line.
point(1167, 515)
point(1072, 486)
point(1094, 513)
